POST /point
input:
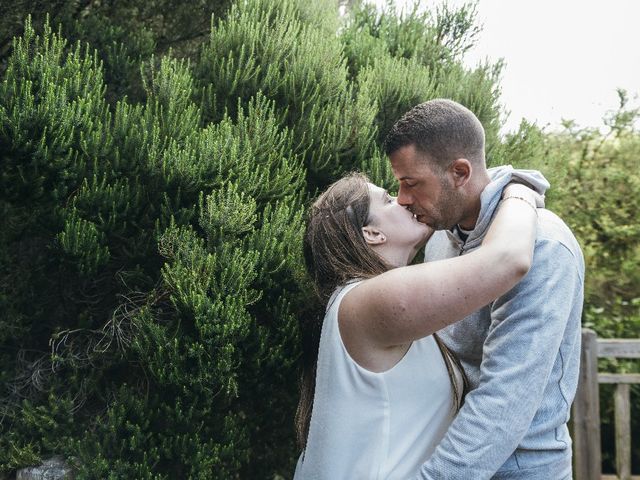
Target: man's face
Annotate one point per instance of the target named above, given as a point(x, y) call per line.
point(428, 193)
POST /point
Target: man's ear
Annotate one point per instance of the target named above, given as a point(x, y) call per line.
point(460, 170)
point(373, 236)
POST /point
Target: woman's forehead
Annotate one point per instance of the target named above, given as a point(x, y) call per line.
point(375, 190)
point(377, 195)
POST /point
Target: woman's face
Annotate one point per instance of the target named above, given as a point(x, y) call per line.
point(398, 225)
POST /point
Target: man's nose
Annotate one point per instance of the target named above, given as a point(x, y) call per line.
point(404, 198)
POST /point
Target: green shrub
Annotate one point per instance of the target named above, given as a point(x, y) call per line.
point(150, 263)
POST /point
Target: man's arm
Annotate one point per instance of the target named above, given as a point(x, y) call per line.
point(526, 330)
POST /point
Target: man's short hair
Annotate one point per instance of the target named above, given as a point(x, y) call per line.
point(442, 129)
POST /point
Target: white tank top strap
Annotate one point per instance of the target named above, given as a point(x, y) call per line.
point(341, 291)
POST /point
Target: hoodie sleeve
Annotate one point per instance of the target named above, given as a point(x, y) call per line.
point(527, 327)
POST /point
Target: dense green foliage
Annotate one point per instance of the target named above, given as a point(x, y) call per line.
point(600, 196)
point(152, 192)
point(152, 207)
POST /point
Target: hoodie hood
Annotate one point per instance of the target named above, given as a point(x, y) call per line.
point(500, 177)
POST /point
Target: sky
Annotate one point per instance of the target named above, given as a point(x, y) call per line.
point(564, 59)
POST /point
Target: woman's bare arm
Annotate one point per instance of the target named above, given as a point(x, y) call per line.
point(411, 302)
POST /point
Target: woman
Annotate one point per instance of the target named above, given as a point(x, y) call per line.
point(383, 389)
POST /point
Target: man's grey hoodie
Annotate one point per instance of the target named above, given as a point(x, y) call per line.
point(521, 354)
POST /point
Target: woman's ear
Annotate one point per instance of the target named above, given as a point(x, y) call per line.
point(373, 236)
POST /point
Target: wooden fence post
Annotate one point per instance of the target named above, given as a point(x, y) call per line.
point(623, 431)
point(586, 412)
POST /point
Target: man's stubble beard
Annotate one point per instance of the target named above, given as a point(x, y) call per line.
point(450, 209)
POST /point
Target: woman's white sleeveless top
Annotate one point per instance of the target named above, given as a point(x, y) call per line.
point(367, 425)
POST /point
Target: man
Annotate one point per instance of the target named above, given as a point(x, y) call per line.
point(522, 351)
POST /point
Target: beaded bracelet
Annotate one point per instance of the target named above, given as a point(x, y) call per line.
point(525, 200)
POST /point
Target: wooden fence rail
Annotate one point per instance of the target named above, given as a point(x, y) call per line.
point(586, 408)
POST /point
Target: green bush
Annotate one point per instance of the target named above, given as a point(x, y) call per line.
point(149, 264)
point(152, 214)
point(601, 194)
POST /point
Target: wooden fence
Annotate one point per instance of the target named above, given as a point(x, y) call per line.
point(586, 408)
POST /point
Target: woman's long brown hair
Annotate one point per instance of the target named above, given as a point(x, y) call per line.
point(335, 253)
